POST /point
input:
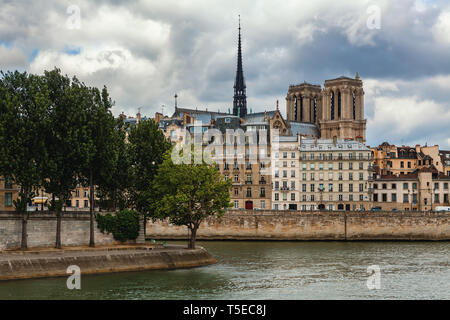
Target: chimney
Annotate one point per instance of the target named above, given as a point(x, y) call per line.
point(335, 141)
point(138, 116)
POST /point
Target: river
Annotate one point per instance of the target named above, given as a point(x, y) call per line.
point(272, 270)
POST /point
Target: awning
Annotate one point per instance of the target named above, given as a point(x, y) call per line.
point(39, 200)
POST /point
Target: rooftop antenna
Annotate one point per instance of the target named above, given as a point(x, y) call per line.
point(162, 109)
point(175, 96)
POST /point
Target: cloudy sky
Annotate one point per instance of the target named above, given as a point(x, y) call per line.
point(146, 51)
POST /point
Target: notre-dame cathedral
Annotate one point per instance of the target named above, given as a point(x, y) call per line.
point(337, 109)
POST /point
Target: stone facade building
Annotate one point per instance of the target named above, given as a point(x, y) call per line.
point(422, 190)
point(8, 193)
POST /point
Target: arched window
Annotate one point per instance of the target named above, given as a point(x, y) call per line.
point(354, 106)
point(295, 108)
point(332, 105)
point(339, 105)
point(314, 110)
point(301, 108)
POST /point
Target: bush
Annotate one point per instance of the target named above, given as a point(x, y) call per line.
point(124, 225)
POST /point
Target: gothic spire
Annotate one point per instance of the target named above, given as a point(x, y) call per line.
point(240, 98)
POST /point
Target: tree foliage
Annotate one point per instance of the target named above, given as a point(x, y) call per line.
point(186, 194)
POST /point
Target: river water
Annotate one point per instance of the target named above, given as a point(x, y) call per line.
point(272, 270)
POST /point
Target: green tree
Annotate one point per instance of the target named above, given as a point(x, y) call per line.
point(147, 146)
point(67, 139)
point(113, 190)
point(188, 193)
point(100, 156)
point(23, 104)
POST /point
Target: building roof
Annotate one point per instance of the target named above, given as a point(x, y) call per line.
point(258, 117)
point(306, 129)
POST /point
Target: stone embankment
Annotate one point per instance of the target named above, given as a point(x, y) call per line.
point(296, 225)
point(41, 263)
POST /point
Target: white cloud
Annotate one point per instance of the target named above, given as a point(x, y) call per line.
point(441, 29)
point(12, 58)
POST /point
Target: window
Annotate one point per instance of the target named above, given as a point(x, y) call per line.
point(293, 155)
point(361, 197)
point(77, 193)
point(330, 187)
point(284, 173)
point(249, 192)
point(350, 176)
point(236, 204)
point(436, 186)
point(236, 191)
point(236, 178)
point(312, 187)
point(292, 185)
point(292, 196)
point(275, 206)
point(321, 166)
point(311, 166)
point(350, 197)
point(384, 186)
point(384, 197)
point(361, 166)
point(402, 164)
point(263, 192)
point(284, 155)
point(361, 187)
point(86, 203)
point(303, 176)
point(436, 198)
point(414, 186)
point(445, 186)
point(409, 164)
point(284, 164)
point(340, 165)
point(8, 199)
point(340, 176)
point(361, 176)
point(330, 166)
point(277, 174)
point(405, 198)
point(8, 183)
point(350, 187)
point(405, 186)
point(293, 173)
point(263, 204)
point(277, 196)
point(394, 186)
point(394, 197)
point(350, 165)
point(304, 187)
point(340, 187)
point(312, 176)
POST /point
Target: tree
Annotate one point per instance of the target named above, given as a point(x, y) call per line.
point(113, 189)
point(147, 146)
point(100, 154)
point(23, 104)
point(188, 193)
point(67, 139)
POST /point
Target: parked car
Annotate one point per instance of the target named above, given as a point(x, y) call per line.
point(395, 210)
point(442, 209)
point(375, 209)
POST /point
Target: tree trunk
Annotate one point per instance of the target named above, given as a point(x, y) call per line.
point(91, 211)
point(24, 245)
point(193, 237)
point(58, 228)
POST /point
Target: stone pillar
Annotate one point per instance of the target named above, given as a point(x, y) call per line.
point(307, 107)
point(360, 111)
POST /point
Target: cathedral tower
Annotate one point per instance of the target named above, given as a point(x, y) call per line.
point(303, 103)
point(240, 98)
point(343, 109)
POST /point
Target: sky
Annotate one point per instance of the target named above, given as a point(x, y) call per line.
point(146, 51)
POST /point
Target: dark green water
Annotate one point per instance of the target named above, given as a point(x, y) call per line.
point(271, 270)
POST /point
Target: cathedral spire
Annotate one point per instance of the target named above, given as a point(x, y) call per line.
point(240, 98)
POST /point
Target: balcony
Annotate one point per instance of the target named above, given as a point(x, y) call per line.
point(248, 182)
point(262, 181)
point(284, 188)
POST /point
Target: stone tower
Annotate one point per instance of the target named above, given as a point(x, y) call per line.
point(240, 98)
point(342, 113)
point(304, 103)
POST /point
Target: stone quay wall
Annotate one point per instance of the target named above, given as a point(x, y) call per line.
point(297, 225)
point(55, 264)
point(41, 229)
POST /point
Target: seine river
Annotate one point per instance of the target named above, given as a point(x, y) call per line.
point(272, 270)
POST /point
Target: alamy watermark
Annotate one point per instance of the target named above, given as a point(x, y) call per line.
point(374, 280)
point(73, 22)
point(74, 280)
